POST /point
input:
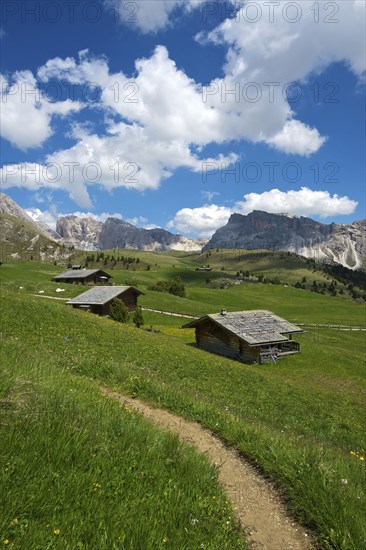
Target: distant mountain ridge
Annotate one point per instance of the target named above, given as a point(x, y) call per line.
point(343, 244)
point(86, 233)
point(90, 234)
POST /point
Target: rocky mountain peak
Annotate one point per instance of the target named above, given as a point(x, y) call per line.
point(11, 208)
point(344, 244)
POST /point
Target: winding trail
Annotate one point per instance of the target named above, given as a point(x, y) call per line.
point(258, 506)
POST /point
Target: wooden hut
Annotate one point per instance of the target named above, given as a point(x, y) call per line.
point(83, 276)
point(98, 299)
point(249, 336)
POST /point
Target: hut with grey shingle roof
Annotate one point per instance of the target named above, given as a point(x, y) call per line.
point(83, 276)
point(99, 298)
point(249, 336)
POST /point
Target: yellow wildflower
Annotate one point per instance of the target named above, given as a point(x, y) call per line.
point(5, 541)
point(57, 531)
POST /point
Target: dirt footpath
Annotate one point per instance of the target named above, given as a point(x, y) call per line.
point(259, 509)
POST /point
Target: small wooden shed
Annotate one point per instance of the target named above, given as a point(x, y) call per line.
point(98, 299)
point(83, 276)
point(249, 336)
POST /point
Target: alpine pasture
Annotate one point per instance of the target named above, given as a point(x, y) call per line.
point(77, 471)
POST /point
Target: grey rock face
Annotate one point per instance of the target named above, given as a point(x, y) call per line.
point(344, 244)
point(89, 234)
point(83, 233)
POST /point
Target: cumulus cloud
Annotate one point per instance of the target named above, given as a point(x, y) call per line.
point(205, 220)
point(286, 41)
point(45, 216)
point(202, 221)
point(304, 202)
point(26, 115)
point(150, 16)
point(154, 138)
point(247, 103)
point(269, 48)
point(127, 158)
point(297, 138)
point(161, 119)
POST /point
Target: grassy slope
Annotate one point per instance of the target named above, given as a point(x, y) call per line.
point(16, 237)
point(77, 471)
point(299, 420)
point(296, 304)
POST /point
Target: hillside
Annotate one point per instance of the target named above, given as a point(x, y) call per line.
point(22, 239)
point(11, 208)
point(307, 449)
point(230, 268)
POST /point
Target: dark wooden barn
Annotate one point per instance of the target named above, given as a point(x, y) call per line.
point(83, 276)
point(249, 336)
point(98, 299)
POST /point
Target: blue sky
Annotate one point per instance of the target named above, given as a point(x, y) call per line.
point(176, 114)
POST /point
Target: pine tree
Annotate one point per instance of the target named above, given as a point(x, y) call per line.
point(119, 311)
point(138, 317)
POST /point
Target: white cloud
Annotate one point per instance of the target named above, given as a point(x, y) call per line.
point(202, 221)
point(266, 56)
point(86, 69)
point(45, 216)
point(304, 202)
point(154, 139)
point(297, 138)
point(170, 106)
point(205, 220)
point(125, 159)
point(287, 43)
point(165, 118)
point(26, 115)
point(150, 15)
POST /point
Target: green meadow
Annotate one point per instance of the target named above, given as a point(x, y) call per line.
point(77, 471)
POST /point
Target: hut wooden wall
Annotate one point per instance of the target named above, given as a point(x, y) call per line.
point(211, 337)
point(129, 298)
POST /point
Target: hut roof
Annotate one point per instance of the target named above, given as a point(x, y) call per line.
point(99, 295)
point(80, 274)
point(255, 327)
